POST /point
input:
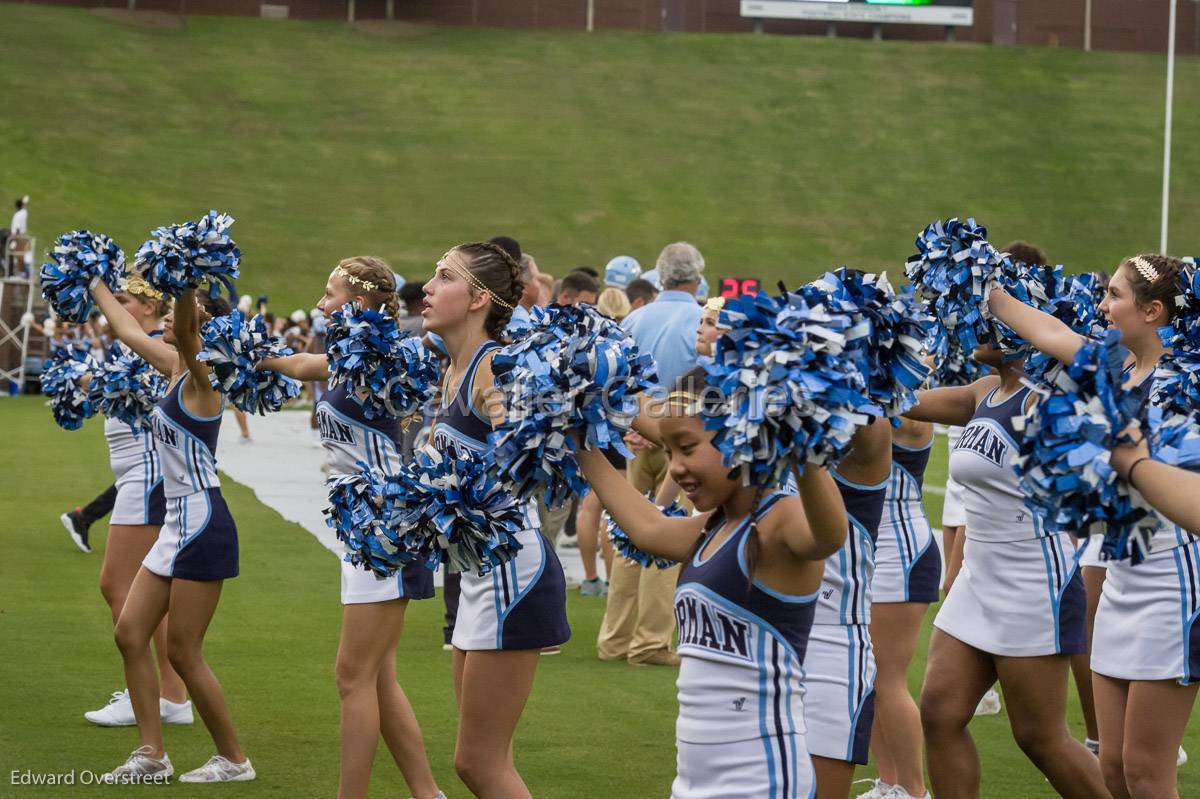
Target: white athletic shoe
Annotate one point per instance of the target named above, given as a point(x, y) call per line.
point(218, 769)
point(117, 713)
point(139, 767)
point(989, 705)
point(898, 792)
point(175, 712)
point(1181, 758)
point(879, 789)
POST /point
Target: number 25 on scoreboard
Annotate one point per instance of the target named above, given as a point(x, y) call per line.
point(737, 286)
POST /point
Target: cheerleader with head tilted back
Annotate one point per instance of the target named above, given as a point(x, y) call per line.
point(372, 701)
point(140, 505)
point(752, 565)
point(196, 550)
point(507, 616)
point(1144, 648)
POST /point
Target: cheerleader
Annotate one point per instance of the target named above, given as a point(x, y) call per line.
point(1143, 652)
point(1016, 610)
point(747, 593)
point(839, 682)
point(908, 566)
point(196, 551)
point(954, 517)
point(505, 617)
point(138, 509)
point(373, 609)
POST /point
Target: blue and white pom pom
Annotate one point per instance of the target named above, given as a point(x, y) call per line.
point(389, 371)
point(1077, 306)
point(626, 548)
point(788, 392)
point(125, 387)
point(1183, 333)
point(572, 369)
point(894, 331)
point(1064, 455)
point(62, 381)
point(357, 513)
point(233, 347)
point(78, 258)
point(188, 255)
point(1174, 413)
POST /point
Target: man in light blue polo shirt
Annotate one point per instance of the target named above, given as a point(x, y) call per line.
point(639, 620)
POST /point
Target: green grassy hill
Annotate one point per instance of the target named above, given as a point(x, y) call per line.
point(778, 156)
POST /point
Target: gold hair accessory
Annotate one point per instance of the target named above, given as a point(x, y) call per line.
point(715, 304)
point(365, 285)
point(137, 285)
point(453, 260)
point(1145, 269)
point(685, 402)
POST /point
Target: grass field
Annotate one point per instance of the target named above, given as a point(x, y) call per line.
point(591, 728)
point(779, 156)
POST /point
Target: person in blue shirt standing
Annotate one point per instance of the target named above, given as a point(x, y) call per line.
point(639, 621)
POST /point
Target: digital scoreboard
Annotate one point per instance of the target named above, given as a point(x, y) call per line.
point(919, 12)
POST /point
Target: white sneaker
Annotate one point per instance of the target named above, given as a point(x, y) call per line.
point(175, 712)
point(218, 769)
point(140, 767)
point(989, 705)
point(879, 789)
point(117, 713)
point(1181, 758)
point(897, 792)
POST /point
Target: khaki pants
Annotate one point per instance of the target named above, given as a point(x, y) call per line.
point(639, 620)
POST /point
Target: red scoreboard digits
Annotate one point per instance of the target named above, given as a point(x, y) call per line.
point(737, 286)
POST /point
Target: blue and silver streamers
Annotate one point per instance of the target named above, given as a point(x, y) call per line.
point(356, 514)
point(125, 387)
point(185, 256)
point(627, 549)
point(573, 368)
point(953, 365)
point(390, 372)
point(1183, 333)
point(62, 381)
point(1064, 454)
point(78, 258)
point(894, 333)
point(1078, 307)
point(788, 390)
point(1174, 413)
point(233, 348)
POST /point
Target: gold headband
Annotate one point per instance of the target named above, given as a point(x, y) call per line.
point(366, 285)
point(1145, 269)
point(136, 285)
point(685, 401)
point(454, 260)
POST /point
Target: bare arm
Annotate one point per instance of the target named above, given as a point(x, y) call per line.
point(642, 521)
point(303, 366)
point(952, 404)
point(668, 492)
point(869, 460)
point(825, 512)
point(197, 392)
point(154, 351)
point(650, 409)
point(1043, 331)
point(1171, 490)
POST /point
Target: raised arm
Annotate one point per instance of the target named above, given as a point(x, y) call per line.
point(641, 519)
point(198, 392)
point(651, 407)
point(824, 511)
point(307, 367)
point(869, 460)
point(153, 350)
point(1043, 331)
point(952, 404)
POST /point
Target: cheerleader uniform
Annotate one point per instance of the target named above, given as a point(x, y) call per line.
point(953, 512)
point(1019, 593)
point(521, 604)
point(350, 437)
point(1146, 621)
point(908, 563)
point(839, 705)
point(134, 462)
point(198, 539)
point(741, 725)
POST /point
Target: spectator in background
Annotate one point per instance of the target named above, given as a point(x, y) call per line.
point(529, 295)
point(578, 287)
point(614, 304)
point(509, 245)
point(412, 295)
point(19, 228)
point(640, 619)
point(640, 292)
point(545, 289)
point(621, 271)
point(297, 334)
point(20, 218)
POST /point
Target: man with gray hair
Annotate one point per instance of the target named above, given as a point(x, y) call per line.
point(639, 621)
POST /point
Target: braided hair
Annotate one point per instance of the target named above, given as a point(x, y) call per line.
point(379, 275)
point(500, 274)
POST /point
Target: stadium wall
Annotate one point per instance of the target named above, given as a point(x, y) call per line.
point(1116, 24)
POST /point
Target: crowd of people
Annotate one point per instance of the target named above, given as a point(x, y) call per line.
point(792, 613)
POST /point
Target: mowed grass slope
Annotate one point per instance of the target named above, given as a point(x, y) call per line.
point(591, 728)
point(779, 156)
